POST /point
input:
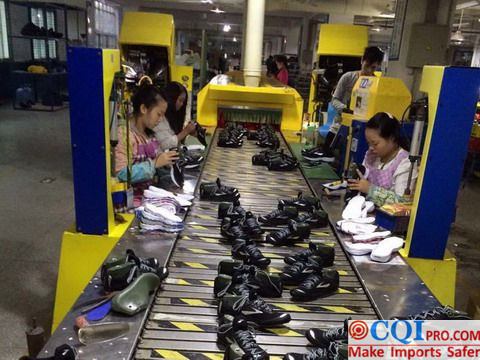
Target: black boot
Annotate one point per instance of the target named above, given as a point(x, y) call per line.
point(317, 285)
point(295, 232)
point(247, 251)
point(323, 253)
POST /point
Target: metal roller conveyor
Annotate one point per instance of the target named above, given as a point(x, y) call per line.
point(182, 323)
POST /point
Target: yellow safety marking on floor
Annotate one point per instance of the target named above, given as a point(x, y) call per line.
point(196, 265)
point(275, 256)
point(342, 273)
point(320, 233)
point(274, 270)
point(208, 282)
point(186, 238)
point(194, 302)
point(284, 332)
point(215, 356)
point(199, 251)
point(198, 227)
point(291, 307)
point(170, 354)
point(303, 245)
point(209, 240)
point(177, 281)
point(205, 217)
point(343, 291)
point(276, 358)
point(338, 309)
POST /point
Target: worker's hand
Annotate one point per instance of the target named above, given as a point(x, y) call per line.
point(361, 184)
point(190, 128)
point(166, 158)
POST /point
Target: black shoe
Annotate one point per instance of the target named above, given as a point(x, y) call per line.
point(299, 271)
point(252, 135)
point(62, 352)
point(176, 173)
point(323, 253)
point(317, 155)
point(271, 142)
point(253, 308)
point(131, 257)
point(233, 229)
point(316, 286)
point(201, 134)
point(279, 217)
point(266, 284)
point(315, 219)
point(301, 202)
point(295, 232)
point(438, 313)
point(321, 338)
point(247, 251)
point(231, 210)
point(218, 192)
point(229, 142)
point(333, 351)
point(239, 339)
point(190, 161)
point(250, 225)
point(282, 164)
point(265, 156)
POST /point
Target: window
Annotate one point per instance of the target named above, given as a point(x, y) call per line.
point(4, 54)
point(106, 25)
point(46, 19)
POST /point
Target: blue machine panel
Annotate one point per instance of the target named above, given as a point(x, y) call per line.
point(448, 149)
point(87, 127)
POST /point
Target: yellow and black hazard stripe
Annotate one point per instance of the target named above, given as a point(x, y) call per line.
point(185, 355)
point(183, 326)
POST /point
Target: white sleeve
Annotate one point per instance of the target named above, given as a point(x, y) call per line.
point(400, 177)
point(165, 136)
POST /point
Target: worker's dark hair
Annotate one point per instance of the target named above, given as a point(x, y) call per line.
point(282, 59)
point(147, 95)
point(388, 127)
point(372, 54)
point(176, 118)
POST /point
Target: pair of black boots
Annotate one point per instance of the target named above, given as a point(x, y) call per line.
point(275, 160)
point(216, 191)
point(308, 270)
point(231, 136)
point(265, 137)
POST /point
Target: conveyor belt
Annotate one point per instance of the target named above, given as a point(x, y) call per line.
point(182, 323)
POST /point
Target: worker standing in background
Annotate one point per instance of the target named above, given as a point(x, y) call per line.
point(282, 74)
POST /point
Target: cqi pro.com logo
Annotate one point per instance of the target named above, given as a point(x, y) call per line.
point(400, 330)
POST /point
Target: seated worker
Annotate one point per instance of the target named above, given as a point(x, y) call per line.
point(172, 132)
point(282, 66)
point(371, 60)
point(149, 106)
point(386, 162)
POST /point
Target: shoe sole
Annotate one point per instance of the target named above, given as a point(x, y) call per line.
point(321, 159)
point(172, 176)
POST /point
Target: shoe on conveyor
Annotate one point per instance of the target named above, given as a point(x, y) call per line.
point(235, 334)
point(296, 273)
point(229, 142)
point(201, 134)
point(250, 225)
point(283, 163)
point(253, 308)
point(279, 217)
point(271, 142)
point(295, 232)
point(321, 337)
point(233, 272)
point(247, 251)
point(233, 229)
point(317, 285)
point(301, 202)
point(231, 210)
point(333, 351)
point(265, 156)
point(437, 313)
point(218, 192)
point(324, 254)
point(315, 219)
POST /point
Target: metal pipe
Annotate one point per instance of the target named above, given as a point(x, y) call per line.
point(254, 43)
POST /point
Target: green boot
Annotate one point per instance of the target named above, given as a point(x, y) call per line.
point(136, 296)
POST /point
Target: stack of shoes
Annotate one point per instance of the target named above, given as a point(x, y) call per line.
point(239, 339)
point(117, 273)
point(317, 155)
point(330, 344)
point(159, 218)
point(154, 193)
point(231, 136)
point(218, 192)
point(437, 313)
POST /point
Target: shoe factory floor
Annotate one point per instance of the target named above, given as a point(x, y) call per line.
point(36, 204)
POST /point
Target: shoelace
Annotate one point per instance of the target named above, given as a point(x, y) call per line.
point(283, 233)
point(317, 354)
point(311, 282)
point(433, 313)
point(246, 340)
point(251, 222)
point(248, 275)
point(274, 214)
point(260, 304)
point(336, 333)
point(297, 267)
point(257, 302)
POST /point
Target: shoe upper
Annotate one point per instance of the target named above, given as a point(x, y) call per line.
point(318, 218)
point(300, 270)
point(318, 284)
point(323, 253)
point(302, 202)
point(322, 338)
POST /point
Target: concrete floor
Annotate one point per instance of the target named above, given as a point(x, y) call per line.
point(36, 146)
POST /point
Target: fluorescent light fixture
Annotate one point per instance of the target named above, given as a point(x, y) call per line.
point(207, 2)
point(376, 28)
point(467, 4)
point(457, 37)
point(234, 39)
point(225, 55)
point(226, 28)
point(217, 11)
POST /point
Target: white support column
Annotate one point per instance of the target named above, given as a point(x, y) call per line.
point(253, 43)
point(244, 34)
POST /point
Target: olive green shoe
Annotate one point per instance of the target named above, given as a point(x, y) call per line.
point(136, 296)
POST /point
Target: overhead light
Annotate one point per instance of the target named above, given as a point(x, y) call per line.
point(207, 2)
point(226, 28)
point(217, 11)
point(376, 28)
point(467, 4)
point(234, 39)
point(225, 55)
point(457, 37)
